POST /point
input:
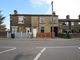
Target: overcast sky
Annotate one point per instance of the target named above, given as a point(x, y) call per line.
point(61, 7)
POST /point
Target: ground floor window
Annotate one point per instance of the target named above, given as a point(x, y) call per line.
point(42, 29)
point(79, 30)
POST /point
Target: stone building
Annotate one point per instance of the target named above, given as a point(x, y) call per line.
point(27, 22)
point(43, 24)
point(72, 25)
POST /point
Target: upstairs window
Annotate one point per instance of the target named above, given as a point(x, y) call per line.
point(41, 19)
point(20, 19)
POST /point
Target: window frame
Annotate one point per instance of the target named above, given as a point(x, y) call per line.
point(20, 19)
point(41, 19)
point(78, 23)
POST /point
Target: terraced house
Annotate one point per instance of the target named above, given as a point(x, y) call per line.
point(42, 24)
point(27, 22)
point(70, 24)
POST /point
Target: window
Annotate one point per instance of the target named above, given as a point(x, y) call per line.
point(14, 29)
point(66, 23)
point(79, 23)
point(42, 29)
point(55, 21)
point(20, 19)
point(72, 23)
point(41, 19)
point(63, 24)
point(79, 30)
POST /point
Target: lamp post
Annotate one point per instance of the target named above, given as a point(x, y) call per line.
point(52, 19)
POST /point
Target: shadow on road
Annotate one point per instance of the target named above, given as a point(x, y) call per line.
point(17, 57)
point(22, 56)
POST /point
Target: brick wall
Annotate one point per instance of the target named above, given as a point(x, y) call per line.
point(45, 35)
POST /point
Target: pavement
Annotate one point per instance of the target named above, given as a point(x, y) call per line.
point(39, 39)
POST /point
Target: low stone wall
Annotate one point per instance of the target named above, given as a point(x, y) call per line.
point(75, 35)
point(71, 35)
point(45, 35)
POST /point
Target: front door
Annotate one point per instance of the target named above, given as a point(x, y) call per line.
point(56, 31)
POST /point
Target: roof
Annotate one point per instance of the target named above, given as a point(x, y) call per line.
point(32, 15)
point(68, 20)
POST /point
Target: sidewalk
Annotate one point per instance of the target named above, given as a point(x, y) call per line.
point(39, 39)
point(57, 38)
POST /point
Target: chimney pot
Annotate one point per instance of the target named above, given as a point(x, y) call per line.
point(79, 17)
point(54, 13)
point(15, 11)
point(68, 17)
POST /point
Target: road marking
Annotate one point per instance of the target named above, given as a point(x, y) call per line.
point(58, 47)
point(39, 54)
point(78, 47)
point(7, 50)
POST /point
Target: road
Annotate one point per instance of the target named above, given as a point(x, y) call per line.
point(55, 49)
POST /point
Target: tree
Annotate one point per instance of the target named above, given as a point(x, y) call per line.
point(2, 26)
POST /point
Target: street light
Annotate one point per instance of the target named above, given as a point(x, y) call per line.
point(52, 19)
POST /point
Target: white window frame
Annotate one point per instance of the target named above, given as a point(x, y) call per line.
point(41, 19)
point(72, 23)
point(14, 29)
point(78, 23)
point(66, 23)
point(54, 21)
point(20, 19)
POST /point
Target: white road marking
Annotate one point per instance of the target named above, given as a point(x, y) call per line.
point(58, 47)
point(39, 54)
point(78, 47)
point(7, 50)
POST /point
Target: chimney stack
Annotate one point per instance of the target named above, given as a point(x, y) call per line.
point(15, 11)
point(67, 17)
point(79, 17)
point(54, 13)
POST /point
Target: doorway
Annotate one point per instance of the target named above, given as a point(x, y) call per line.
point(55, 30)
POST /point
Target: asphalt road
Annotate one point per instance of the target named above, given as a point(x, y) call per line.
point(60, 49)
